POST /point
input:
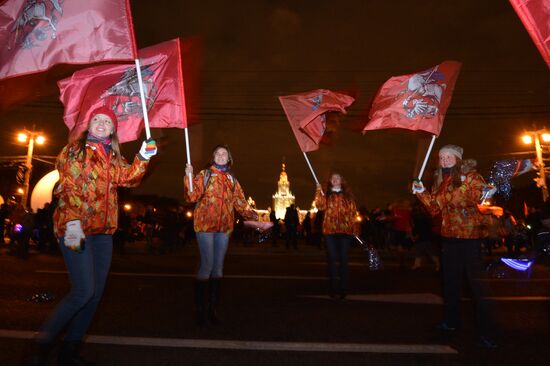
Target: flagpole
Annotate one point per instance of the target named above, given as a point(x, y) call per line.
point(188, 158)
point(426, 158)
point(312, 171)
point(143, 104)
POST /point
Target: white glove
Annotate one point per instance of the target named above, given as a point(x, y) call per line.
point(148, 149)
point(74, 235)
point(417, 186)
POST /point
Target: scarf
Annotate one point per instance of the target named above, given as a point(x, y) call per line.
point(223, 168)
point(105, 142)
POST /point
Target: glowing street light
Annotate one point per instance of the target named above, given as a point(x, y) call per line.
point(29, 137)
point(528, 139)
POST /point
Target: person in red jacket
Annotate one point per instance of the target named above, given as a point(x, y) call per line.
point(91, 168)
point(340, 210)
point(217, 195)
point(455, 196)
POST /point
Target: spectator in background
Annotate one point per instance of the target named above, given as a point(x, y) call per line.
point(423, 237)
point(291, 225)
point(276, 230)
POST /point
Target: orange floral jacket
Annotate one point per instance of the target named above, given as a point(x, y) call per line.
point(339, 213)
point(87, 188)
point(214, 211)
point(460, 216)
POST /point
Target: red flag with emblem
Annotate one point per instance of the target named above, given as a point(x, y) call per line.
point(116, 86)
point(306, 113)
point(38, 34)
point(535, 16)
point(415, 101)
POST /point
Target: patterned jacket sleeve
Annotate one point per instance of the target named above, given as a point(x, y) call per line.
point(131, 175)
point(474, 185)
point(198, 187)
point(240, 203)
point(430, 202)
point(69, 169)
point(320, 199)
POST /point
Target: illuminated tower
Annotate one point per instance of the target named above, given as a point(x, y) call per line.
point(283, 198)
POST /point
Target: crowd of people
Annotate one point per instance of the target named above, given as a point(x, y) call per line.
point(161, 229)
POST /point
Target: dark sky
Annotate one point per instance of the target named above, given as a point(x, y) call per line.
point(254, 51)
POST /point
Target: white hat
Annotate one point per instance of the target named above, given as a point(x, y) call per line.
point(452, 149)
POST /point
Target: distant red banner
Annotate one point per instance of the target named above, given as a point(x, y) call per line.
point(306, 114)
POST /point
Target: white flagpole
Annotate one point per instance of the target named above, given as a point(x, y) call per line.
point(312, 171)
point(143, 103)
point(188, 158)
point(426, 158)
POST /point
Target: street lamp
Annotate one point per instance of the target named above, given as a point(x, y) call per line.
point(29, 137)
point(528, 138)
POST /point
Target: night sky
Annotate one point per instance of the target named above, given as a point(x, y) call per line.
point(253, 51)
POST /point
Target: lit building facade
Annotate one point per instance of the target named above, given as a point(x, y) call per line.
point(283, 197)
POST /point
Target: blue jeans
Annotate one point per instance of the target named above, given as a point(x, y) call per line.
point(337, 251)
point(212, 248)
point(88, 274)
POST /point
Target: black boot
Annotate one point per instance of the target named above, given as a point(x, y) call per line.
point(200, 302)
point(214, 300)
point(69, 355)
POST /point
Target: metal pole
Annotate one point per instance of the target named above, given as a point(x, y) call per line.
point(28, 164)
point(540, 163)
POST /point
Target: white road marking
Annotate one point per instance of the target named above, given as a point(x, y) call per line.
point(254, 345)
point(411, 298)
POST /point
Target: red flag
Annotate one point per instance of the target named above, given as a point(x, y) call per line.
point(535, 15)
point(306, 114)
point(415, 101)
point(116, 86)
point(36, 35)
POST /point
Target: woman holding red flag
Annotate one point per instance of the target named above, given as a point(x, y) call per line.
point(91, 168)
point(456, 194)
point(217, 194)
point(339, 209)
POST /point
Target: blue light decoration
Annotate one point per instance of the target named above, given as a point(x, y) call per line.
point(522, 264)
point(17, 228)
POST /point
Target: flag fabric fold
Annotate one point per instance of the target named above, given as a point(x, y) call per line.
point(36, 35)
point(535, 16)
point(306, 114)
point(416, 101)
point(116, 86)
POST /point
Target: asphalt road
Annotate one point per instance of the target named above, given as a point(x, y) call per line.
point(275, 311)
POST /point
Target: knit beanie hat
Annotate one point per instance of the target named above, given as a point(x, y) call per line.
point(453, 149)
point(108, 112)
